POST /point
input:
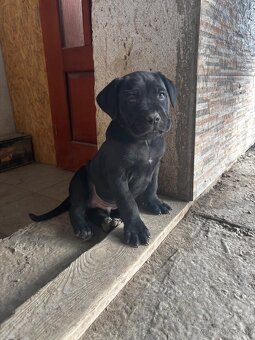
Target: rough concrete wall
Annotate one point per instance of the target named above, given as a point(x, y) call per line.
point(225, 123)
point(6, 118)
point(159, 36)
point(22, 46)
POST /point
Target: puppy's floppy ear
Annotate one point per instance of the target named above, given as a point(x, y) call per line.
point(171, 88)
point(107, 99)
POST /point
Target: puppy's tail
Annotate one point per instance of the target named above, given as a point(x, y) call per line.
point(64, 206)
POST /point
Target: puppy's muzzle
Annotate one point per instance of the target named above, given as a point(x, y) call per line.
point(153, 118)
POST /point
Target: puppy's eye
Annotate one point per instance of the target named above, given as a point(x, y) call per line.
point(131, 99)
point(161, 95)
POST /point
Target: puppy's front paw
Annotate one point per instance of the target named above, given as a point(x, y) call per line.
point(158, 207)
point(136, 233)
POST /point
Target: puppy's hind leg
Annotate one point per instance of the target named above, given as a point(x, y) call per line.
point(104, 219)
point(116, 220)
point(80, 222)
point(79, 198)
point(101, 218)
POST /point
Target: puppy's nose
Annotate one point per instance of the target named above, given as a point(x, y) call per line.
point(154, 118)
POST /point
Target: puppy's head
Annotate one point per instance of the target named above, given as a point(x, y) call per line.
point(140, 102)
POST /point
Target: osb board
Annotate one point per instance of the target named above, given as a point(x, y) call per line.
point(21, 40)
point(67, 305)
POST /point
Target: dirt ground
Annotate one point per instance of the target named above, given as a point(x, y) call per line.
point(200, 283)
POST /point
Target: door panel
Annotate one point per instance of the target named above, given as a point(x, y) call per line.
point(81, 94)
point(73, 59)
point(66, 28)
point(71, 20)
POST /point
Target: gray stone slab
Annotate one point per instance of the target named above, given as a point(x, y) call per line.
point(33, 188)
point(57, 191)
point(35, 177)
point(14, 215)
point(10, 193)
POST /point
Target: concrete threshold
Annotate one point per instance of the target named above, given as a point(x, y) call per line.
point(54, 286)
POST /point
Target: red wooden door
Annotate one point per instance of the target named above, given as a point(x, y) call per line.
point(66, 27)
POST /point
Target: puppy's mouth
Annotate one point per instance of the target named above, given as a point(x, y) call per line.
point(142, 128)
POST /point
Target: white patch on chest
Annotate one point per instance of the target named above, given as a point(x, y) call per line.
point(97, 202)
point(150, 160)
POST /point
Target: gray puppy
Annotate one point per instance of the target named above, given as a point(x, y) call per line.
point(124, 172)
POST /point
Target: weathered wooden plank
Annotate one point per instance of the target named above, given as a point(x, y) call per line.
point(66, 306)
point(33, 256)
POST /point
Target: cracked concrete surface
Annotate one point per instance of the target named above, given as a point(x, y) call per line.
point(200, 283)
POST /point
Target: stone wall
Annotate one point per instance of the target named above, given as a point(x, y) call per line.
point(153, 35)
point(225, 119)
